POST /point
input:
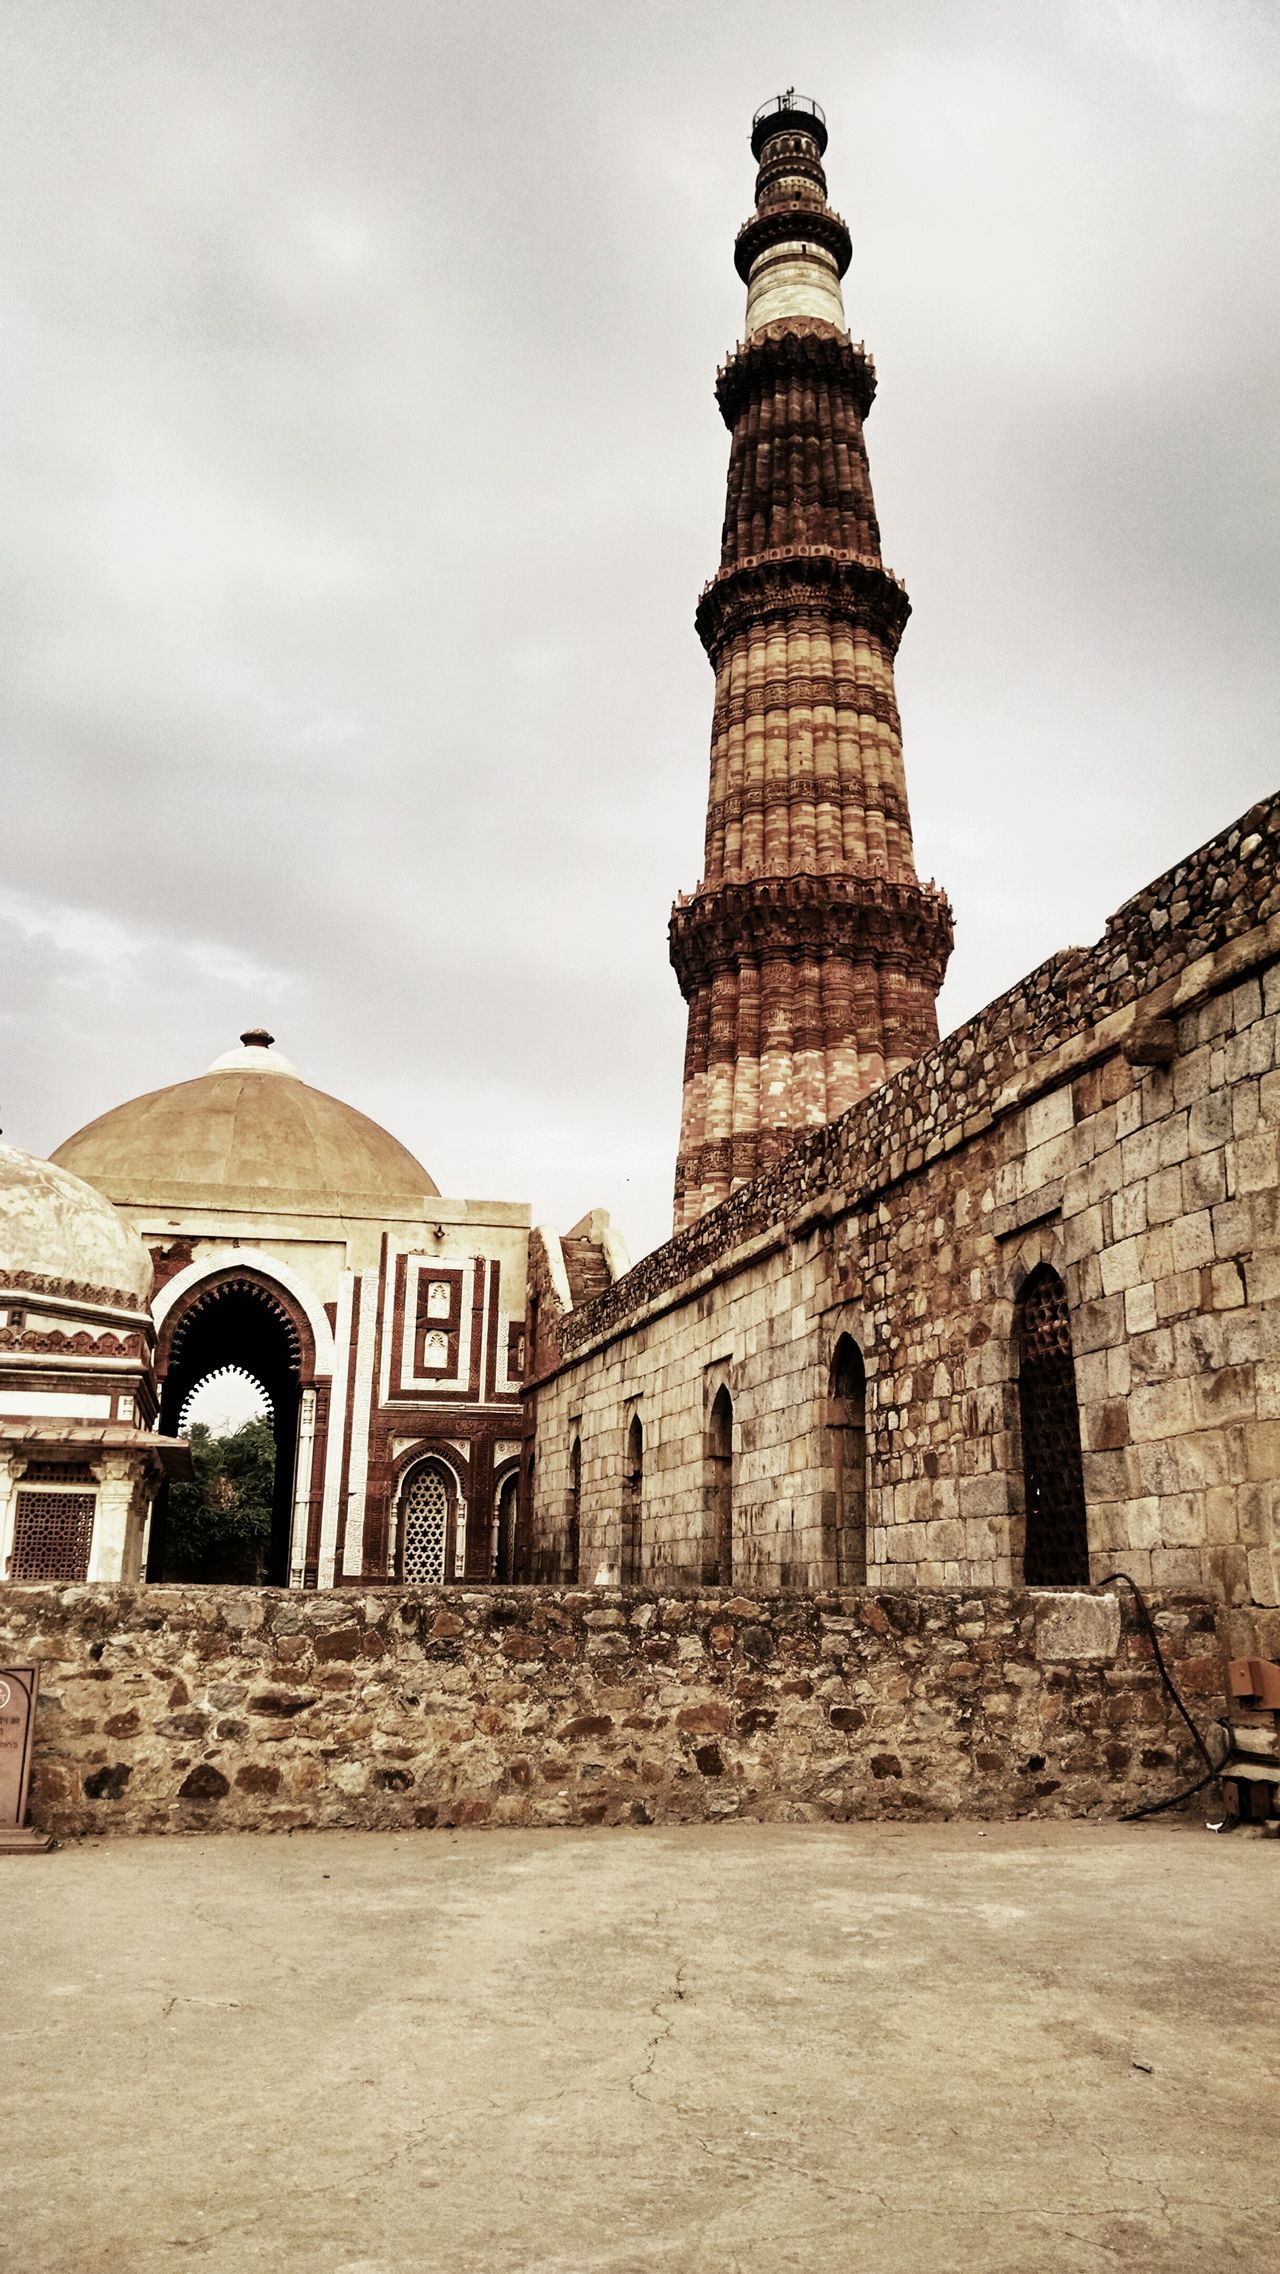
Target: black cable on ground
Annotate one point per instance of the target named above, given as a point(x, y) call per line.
point(1212, 1771)
point(1158, 1807)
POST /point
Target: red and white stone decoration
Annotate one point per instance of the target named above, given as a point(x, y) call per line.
point(810, 954)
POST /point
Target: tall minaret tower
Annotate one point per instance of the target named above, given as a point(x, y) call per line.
point(810, 956)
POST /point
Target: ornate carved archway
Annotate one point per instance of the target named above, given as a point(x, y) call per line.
point(239, 1319)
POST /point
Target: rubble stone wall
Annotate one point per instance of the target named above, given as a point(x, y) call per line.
point(169, 1709)
point(1041, 1133)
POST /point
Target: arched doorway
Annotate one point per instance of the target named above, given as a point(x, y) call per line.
point(237, 1322)
point(506, 1502)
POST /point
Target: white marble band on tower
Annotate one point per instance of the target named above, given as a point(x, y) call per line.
point(794, 280)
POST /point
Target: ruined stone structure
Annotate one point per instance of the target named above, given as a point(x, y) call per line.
point(810, 955)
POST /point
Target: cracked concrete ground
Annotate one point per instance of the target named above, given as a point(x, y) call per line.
point(731, 2051)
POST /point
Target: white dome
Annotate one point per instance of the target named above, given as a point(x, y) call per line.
point(55, 1226)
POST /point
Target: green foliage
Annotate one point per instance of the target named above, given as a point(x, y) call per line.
point(218, 1526)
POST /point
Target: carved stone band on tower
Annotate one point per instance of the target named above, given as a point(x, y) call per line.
point(810, 955)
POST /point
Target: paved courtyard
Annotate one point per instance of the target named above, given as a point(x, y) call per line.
point(734, 2051)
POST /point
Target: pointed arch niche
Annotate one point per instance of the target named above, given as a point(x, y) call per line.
point(632, 1504)
point(847, 1441)
point(235, 1319)
point(426, 1523)
point(506, 1521)
point(717, 1541)
point(573, 1514)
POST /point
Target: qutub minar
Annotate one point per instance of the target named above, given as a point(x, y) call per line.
point(810, 955)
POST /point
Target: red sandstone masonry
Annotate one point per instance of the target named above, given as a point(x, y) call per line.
point(167, 1709)
point(810, 955)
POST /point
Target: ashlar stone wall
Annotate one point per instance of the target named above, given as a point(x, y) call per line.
point(195, 1709)
point(1117, 1118)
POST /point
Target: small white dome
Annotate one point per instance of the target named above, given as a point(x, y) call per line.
point(255, 1056)
point(55, 1226)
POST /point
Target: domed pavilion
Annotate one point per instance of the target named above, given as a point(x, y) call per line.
point(79, 1457)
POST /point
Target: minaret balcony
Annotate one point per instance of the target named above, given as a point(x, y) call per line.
point(792, 223)
point(784, 580)
point(801, 347)
point(800, 919)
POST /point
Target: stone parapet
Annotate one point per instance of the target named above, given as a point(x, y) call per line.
point(167, 1709)
point(1162, 942)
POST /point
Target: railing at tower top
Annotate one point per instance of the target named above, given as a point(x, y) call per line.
point(798, 112)
point(802, 105)
point(790, 105)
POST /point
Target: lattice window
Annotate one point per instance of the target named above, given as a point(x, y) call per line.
point(52, 1535)
point(1057, 1542)
point(425, 1522)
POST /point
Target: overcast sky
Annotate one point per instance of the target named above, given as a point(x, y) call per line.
point(361, 468)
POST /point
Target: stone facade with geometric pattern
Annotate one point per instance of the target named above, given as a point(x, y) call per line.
point(298, 1244)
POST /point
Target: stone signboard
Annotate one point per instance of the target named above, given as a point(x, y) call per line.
point(19, 1686)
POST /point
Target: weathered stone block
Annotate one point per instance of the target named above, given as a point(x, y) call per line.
point(1164, 1196)
point(1160, 1410)
point(1121, 1267)
point(1077, 1628)
point(1255, 1162)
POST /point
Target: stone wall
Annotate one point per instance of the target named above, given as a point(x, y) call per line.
point(1219, 894)
point(1117, 1117)
point(192, 1709)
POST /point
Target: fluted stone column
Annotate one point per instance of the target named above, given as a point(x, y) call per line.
point(119, 1517)
point(810, 955)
